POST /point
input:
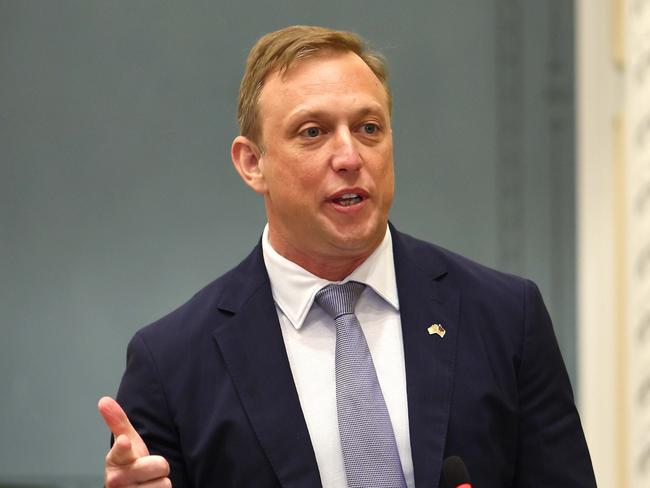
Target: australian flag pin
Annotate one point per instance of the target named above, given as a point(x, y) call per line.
point(437, 329)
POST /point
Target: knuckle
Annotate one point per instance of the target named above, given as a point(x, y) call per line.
point(165, 468)
point(111, 481)
point(159, 465)
point(116, 478)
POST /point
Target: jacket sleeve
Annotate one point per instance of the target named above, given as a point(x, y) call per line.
point(552, 450)
point(142, 396)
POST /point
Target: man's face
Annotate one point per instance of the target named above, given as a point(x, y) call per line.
point(327, 161)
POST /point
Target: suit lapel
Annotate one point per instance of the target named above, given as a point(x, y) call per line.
point(252, 347)
point(430, 359)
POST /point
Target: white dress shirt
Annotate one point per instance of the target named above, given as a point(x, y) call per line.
point(309, 337)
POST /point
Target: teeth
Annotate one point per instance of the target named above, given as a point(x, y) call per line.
point(347, 203)
point(348, 199)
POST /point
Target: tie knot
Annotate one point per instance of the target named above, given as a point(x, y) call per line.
point(339, 300)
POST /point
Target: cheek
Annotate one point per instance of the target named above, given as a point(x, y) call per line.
point(295, 186)
point(301, 175)
point(387, 187)
point(385, 172)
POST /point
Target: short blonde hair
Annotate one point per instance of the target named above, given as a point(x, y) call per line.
point(278, 50)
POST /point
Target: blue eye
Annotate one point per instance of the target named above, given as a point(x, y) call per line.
point(312, 132)
point(370, 129)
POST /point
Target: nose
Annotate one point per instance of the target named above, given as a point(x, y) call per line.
point(345, 155)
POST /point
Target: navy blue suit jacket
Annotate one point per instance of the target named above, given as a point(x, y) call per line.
point(209, 386)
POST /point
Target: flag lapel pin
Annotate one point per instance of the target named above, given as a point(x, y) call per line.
point(437, 329)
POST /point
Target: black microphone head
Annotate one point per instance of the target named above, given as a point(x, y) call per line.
point(455, 472)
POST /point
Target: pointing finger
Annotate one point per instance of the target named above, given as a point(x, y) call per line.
point(118, 423)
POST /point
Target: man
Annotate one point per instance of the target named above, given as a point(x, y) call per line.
point(252, 383)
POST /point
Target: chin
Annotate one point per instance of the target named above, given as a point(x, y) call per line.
point(358, 240)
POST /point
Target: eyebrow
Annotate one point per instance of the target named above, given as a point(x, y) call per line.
point(311, 113)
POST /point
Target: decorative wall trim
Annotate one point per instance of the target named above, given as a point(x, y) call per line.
point(637, 218)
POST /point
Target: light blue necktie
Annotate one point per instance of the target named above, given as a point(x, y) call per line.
point(369, 449)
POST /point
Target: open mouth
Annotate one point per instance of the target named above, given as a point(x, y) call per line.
point(348, 199)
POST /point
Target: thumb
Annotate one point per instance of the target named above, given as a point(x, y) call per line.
point(121, 454)
point(119, 425)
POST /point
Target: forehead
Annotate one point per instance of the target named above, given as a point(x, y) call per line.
point(341, 77)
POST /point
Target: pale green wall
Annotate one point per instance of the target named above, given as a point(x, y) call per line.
point(118, 201)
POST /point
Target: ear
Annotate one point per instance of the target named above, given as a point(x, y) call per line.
point(246, 159)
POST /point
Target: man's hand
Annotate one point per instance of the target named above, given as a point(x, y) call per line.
point(128, 463)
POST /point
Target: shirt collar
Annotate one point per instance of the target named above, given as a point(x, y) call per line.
point(294, 288)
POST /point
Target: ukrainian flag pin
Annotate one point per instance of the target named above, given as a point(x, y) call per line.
point(437, 329)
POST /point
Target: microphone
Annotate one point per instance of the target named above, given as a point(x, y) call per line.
point(455, 473)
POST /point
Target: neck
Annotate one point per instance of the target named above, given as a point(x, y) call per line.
point(331, 267)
